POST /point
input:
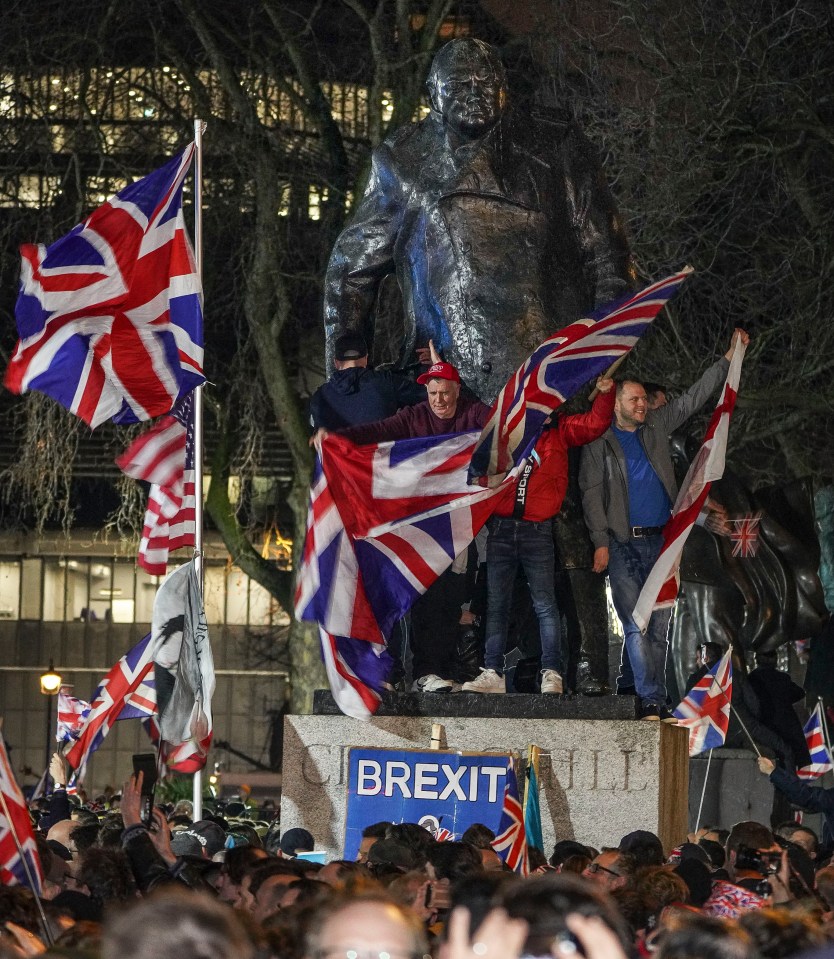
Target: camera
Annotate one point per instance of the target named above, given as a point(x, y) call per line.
point(764, 862)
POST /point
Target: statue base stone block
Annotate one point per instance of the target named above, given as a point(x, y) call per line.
point(599, 778)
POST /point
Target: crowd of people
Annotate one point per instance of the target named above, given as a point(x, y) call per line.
point(233, 889)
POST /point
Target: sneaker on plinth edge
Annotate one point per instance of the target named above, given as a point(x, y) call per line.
point(434, 684)
point(551, 682)
point(488, 682)
point(667, 716)
point(650, 711)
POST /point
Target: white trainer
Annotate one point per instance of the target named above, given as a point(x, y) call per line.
point(488, 682)
point(433, 684)
point(551, 682)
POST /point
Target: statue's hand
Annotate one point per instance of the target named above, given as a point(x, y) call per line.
point(600, 559)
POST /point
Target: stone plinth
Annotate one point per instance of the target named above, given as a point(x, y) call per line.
point(599, 778)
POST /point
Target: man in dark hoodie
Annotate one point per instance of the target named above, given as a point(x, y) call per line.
point(354, 394)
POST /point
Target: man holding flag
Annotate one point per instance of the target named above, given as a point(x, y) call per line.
point(628, 488)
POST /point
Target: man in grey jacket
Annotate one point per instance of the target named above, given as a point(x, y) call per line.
point(628, 489)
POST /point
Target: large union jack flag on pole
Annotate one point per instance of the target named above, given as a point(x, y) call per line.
point(511, 838)
point(126, 692)
point(110, 316)
point(557, 370)
point(705, 710)
point(19, 862)
point(164, 457)
point(814, 731)
point(661, 587)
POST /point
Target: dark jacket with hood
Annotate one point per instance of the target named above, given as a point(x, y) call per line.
point(358, 395)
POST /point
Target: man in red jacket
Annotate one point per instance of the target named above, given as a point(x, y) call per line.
point(521, 531)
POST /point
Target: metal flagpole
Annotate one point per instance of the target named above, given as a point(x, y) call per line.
point(703, 792)
point(741, 723)
point(199, 127)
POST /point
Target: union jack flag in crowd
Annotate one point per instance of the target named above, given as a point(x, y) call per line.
point(164, 457)
point(126, 692)
point(745, 535)
point(661, 587)
point(72, 713)
point(19, 861)
point(814, 731)
point(110, 315)
point(556, 370)
point(705, 710)
point(511, 839)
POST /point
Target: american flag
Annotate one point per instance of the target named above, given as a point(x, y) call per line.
point(110, 315)
point(19, 861)
point(814, 731)
point(705, 710)
point(661, 587)
point(72, 713)
point(126, 692)
point(745, 534)
point(511, 839)
point(164, 457)
point(556, 370)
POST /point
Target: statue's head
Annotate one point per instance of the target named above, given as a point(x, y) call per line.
point(467, 86)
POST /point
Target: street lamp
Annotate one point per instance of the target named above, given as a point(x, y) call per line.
point(50, 684)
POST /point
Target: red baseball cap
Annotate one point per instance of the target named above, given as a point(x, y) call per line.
point(439, 371)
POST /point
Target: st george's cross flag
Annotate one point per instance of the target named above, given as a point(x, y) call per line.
point(705, 710)
point(559, 368)
point(122, 694)
point(661, 587)
point(511, 839)
point(164, 457)
point(19, 861)
point(815, 738)
point(110, 315)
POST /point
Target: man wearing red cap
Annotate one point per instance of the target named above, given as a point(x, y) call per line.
point(435, 615)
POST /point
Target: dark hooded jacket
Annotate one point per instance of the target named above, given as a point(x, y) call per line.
point(358, 395)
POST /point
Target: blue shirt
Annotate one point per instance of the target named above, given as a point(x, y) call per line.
point(648, 501)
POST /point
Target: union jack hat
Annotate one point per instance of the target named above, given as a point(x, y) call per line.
point(439, 371)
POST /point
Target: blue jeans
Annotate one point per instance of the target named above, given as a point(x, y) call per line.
point(628, 566)
point(514, 541)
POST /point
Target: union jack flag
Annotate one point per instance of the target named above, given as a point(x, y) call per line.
point(164, 457)
point(126, 692)
point(556, 370)
point(814, 731)
point(110, 316)
point(511, 839)
point(705, 710)
point(385, 520)
point(19, 861)
point(661, 587)
point(71, 715)
point(745, 535)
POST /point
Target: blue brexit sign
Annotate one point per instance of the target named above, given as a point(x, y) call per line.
point(444, 791)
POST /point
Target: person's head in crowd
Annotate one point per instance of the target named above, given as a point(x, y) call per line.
point(350, 350)
point(187, 842)
point(179, 822)
point(177, 924)
point(633, 908)
point(564, 849)
point(85, 816)
point(107, 875)
point(237, 862)
point(299, 894)
point(546, 900)
point(83, 938)
point(690, 935)
point(397, 855)
point(696, 875)
point(537, 859)
point(85, 836)
point(370, 834)
point(746, 837)
point(442, 382)
point(213, 834)
point(643, 849)
point(716, 835)
point(368, 925)
point(825, 887)
point(62, 832)
point(297, 840)
point(777, 933)
point(110, 833)
point(77, 906)
point(18, 905)
point(715, 851)
point(491, 861)
point(478, 835)
point(183, 807)
point(273, 871)
point(340, 872)
point(800, 835)
point(655, 395)
point(575, 864)
point(660, 887)
point(453, 861)
point(605, 870)
point(245, 834)
point(418, 839)
point(479, 893)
